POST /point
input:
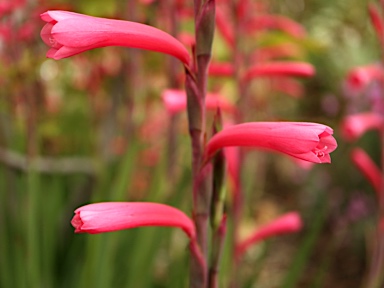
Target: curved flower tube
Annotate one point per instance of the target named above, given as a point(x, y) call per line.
point(377, 22)
point(288, 223)
point(369, 168)
point(360, 77)
point(287, 68)
point(113, 216)
point(288, 86)
point(307, 141)
point(269, 21)
point(282, 50)
point(69, 33)
point(354, 126)
point(221, 69)
point(176, 101)
point(223, 26)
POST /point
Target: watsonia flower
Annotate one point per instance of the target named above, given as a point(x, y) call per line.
point(69, 33)
point(307, 141)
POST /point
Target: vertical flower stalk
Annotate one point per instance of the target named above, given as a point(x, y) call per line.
point(196, 83)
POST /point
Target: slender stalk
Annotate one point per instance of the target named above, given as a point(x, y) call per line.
point(218, 240)
point(196, 86)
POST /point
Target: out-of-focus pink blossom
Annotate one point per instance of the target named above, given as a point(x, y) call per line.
point(224, 27)
point(288, 86)
point(221, 69)
point(281, 50)
point(354, 126)
point(7, 6)
point(113, 216)
point(288, 223)
point(377, 22)
point(69, 33)
point(287, 68)
point(358, 78)
point(307, 141)
point(369, 169)
point(176, 101)
point(279, 22)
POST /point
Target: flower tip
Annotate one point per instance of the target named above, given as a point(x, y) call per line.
point(294, 221)
point(46, 17)
point(77, 223)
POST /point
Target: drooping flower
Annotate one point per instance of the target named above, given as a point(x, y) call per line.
point(287, 68)
point(176, 101)
point(289, 86)
point(221, 69)
point(281, 50)
point(113, 216)
point(69, 33)
point(288, 223)
point(224, 27)
point(369, 169)
point(280, 22)
point(354, 126)
point(307, 141)
point(359, 77)
point(377, 22)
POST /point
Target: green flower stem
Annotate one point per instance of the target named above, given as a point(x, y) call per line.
point(33, 247)
point(218, 240)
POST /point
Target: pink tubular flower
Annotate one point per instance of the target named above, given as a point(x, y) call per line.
point(354, 126)
point(358, 78)
point(280, 69)
point(269, 53)
point(369, 169)
point(114, 216)
point(377, 22)
point(69, 33)
point(224, 27)
point(221, 69)
point(289, 86)
point(288, 223)
point(307, 141)
point(176, 101)
point(280, 22)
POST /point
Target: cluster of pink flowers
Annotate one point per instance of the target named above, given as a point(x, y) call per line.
point(69, 33)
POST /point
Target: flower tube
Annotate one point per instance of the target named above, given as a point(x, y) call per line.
point(287, 68)
point(360, 77)
point(113, 216)
point(288, 223)
point(368, 167)
point(176, 101)
point(354, 126)
point(69, 33)
point(307, 141)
